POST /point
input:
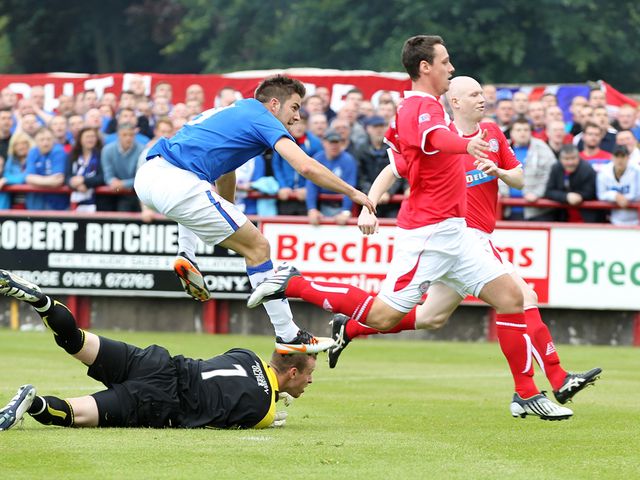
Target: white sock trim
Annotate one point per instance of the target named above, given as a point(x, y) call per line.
point(45, 308)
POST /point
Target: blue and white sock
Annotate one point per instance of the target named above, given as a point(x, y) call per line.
point(279, 311)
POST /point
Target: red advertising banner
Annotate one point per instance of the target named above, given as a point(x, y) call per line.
point(342, 254)
point(337, 81)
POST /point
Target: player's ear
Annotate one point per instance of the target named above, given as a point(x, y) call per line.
point(274, 105)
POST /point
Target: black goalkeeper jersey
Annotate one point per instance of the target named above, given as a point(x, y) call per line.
point(235, 389)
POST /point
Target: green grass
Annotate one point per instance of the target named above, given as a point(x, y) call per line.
point(392, 409)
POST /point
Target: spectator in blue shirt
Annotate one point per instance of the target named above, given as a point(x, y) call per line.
point(119, 164)
point(46, 165)
point(343, 165)
point(15, 167)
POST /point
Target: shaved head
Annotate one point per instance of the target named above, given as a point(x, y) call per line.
point(461, 85)
point(467, 102)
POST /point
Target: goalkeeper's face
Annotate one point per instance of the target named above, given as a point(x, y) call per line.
point(299, 379)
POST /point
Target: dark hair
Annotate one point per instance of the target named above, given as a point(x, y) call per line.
point(591, 125)
point(502, 100)
point(282, 363)
point(416, 49)
point(520, 121)
point(76, 151)
point(568, 149)
point(355, 90)
point(279, 87)
point(126, 92)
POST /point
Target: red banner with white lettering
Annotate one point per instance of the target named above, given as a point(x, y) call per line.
point(338, 82)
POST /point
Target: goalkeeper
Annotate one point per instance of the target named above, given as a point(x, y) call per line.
point(149, 387)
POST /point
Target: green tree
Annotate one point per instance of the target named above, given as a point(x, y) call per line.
point(517, 41)
point(89, 36)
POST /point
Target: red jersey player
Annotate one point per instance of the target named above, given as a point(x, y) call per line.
point(465, 98)
point(432, 242)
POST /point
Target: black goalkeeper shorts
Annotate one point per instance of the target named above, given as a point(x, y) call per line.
point(142, 385)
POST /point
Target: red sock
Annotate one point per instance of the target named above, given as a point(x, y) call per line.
point(355, 329)
point(516, 347)
point(546, 350)
point(333, 297)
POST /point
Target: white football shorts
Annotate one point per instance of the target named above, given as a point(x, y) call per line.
point(487, 243)
point(448, 252)
point(184, 198)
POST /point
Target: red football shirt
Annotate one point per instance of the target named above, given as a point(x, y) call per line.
point(482, 189)
point(436, 179)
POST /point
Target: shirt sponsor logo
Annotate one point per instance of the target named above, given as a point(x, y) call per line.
point(260, 379)
point(477, 177)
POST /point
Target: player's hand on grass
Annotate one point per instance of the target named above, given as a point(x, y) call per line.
point(367, 222)
point(279, 420)
point(478, 147)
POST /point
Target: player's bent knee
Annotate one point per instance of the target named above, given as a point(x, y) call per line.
point(512, 299)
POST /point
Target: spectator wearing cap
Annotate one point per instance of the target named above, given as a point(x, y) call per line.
point(572, 181)
point(342, 164)
point(372, 158)
point(119, 163)
point(618, 182)
point(291, 183)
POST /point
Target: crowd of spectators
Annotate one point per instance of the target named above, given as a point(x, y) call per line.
point(594, 156)
point(91, 141)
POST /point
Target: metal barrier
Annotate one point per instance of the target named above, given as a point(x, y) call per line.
point(502, 201)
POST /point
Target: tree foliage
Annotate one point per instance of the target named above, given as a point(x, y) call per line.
point(516, 41)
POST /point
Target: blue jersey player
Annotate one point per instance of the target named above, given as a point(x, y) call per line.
point(177, 182)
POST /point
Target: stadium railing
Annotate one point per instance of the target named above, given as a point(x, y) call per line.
point(502, 202)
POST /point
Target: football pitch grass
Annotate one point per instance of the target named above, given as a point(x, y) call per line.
point(391, 409)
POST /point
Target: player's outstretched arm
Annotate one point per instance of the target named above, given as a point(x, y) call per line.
point(318, 173)
point(368, 222)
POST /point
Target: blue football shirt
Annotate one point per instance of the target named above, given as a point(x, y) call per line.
point(220, 140)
